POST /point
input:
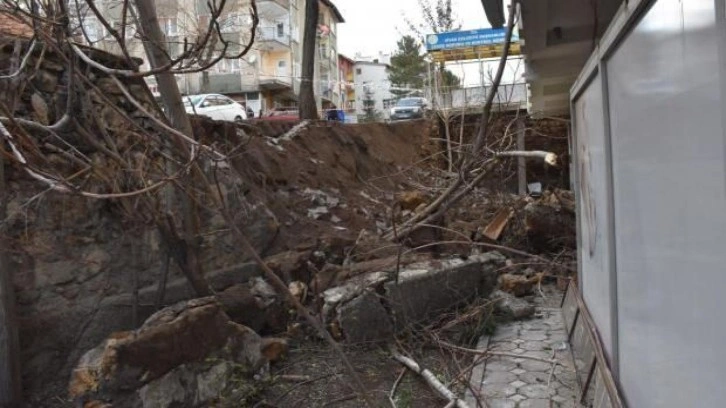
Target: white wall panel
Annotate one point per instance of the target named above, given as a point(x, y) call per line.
point(666, 110)
point(592, 197)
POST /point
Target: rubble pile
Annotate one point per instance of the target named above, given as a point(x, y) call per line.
point(314, 198)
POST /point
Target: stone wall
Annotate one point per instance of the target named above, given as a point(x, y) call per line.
point(75, 260)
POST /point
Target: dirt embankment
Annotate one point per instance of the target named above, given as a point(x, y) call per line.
point(315, 204)
point(74, 258)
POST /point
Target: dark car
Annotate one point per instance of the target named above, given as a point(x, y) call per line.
point(409, 108)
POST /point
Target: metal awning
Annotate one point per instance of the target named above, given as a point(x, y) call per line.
point(557, 37)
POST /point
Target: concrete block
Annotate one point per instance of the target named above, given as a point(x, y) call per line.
point(424, 290)
point(365, 320)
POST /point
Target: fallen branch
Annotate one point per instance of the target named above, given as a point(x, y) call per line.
point(392, 394)
point(431, 379)
point(497, 353)
point(549, 157)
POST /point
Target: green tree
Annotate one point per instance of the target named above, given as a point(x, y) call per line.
point(408, 67)
point(449, 80)
point(370, 113)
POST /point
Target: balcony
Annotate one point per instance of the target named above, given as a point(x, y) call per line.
point(233, 82)
point(273, 38)
point(273, 9)
point(280, 81)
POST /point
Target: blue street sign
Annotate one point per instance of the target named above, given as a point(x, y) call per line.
point(466, 39)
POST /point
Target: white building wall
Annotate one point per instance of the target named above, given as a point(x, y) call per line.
point(664, 130)
point(373, 76)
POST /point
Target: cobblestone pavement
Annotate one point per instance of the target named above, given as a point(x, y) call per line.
point(515, 381)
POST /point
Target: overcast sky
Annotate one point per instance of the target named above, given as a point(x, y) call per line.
point(375, 25)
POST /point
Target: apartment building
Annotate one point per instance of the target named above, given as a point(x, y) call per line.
point(268, 76)
point(346, 68)
point(372, 83)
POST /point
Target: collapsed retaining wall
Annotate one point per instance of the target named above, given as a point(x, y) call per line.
point(74, 260)
point(372, 307)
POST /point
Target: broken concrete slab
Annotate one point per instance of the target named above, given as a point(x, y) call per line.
point(366, 307)
point(333, 297)
point(423, 290)
point(365, 320)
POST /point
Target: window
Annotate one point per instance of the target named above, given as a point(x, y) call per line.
point(209, 101)
point(169, 25)
point(280, 29)
point(358, 71)
point(224, 101)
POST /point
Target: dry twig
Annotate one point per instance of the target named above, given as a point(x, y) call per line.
point(430, 379)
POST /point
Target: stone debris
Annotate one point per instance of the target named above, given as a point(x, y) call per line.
point(511, 307)
point(181, 356)
point(411, 200)
point(519, 285)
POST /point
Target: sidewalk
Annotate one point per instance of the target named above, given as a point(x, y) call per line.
point(524, 377)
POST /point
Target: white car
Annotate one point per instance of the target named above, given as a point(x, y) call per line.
point(217, 107)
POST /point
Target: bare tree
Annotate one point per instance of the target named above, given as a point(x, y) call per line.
point(308, 106)
point(132, 161)
point(475, 164)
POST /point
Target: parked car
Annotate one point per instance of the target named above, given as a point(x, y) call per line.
point(409, 108)
point(217, 107)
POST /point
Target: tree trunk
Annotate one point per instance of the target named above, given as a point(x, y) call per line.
point(10, 386)
point(10, 369)
point(308, 107)
point(155, 45)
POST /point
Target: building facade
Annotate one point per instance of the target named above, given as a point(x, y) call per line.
point(372, 88)
point(346, 68)
point(268, 76)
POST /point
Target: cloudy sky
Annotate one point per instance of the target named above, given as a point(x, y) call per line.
point(375, 25)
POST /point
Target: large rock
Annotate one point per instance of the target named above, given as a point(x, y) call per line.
point(255, 304)
point(511, 307)
point(174, 359)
